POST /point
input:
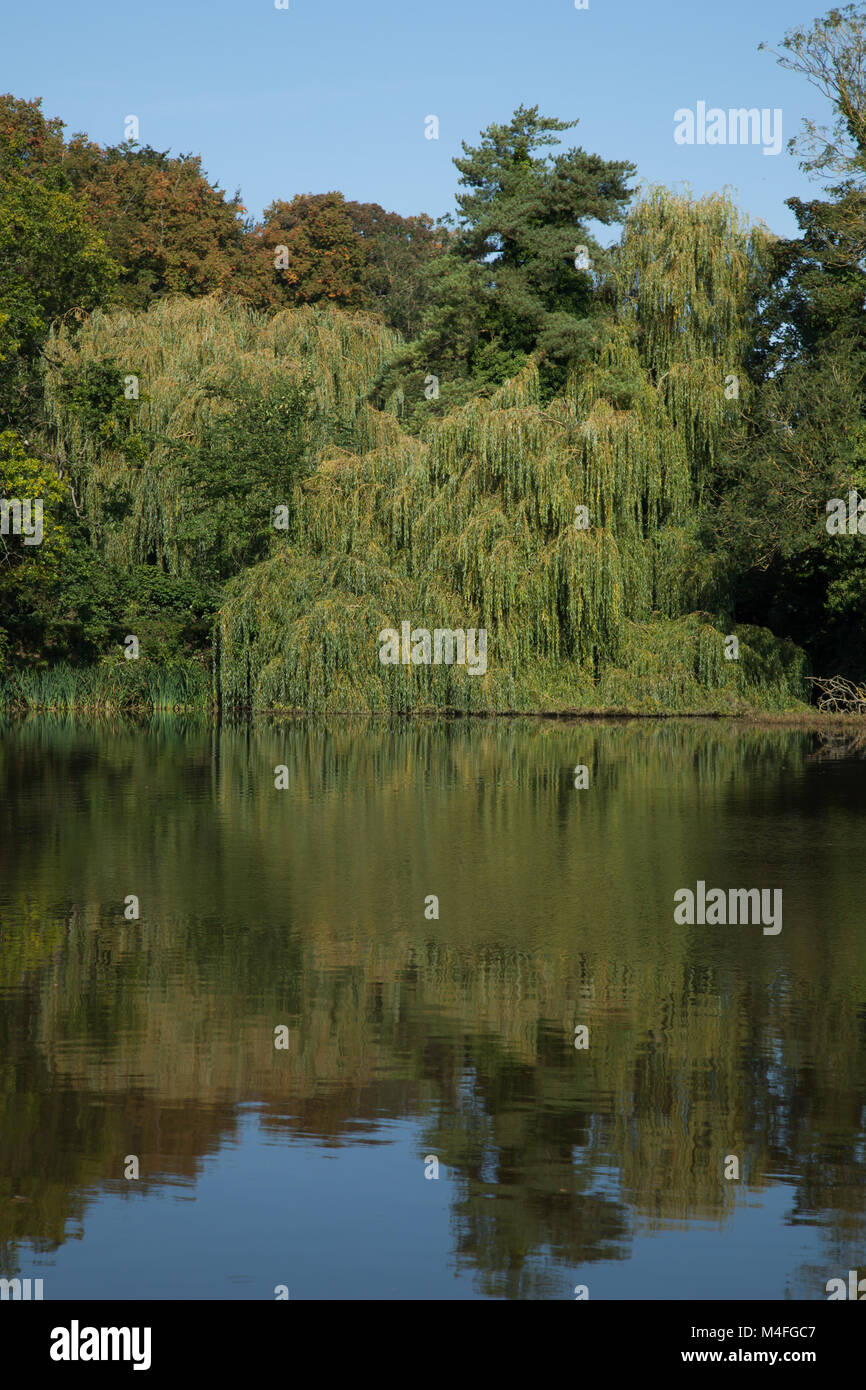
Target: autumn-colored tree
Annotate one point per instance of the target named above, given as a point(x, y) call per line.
point(323, 258)
point(320, 247)
point(167, 226)
point(29, 140)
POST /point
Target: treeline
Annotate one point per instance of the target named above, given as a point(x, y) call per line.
point(82, 226)
point(85, 228)
point(350, 417)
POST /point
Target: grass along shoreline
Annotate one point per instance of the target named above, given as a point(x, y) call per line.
point(112, 689)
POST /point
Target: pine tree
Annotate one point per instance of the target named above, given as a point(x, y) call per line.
point(518, 275)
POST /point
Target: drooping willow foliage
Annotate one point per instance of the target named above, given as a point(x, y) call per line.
point(474, 524)
point(187, 357)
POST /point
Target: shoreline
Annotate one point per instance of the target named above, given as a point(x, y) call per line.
point(804, 719)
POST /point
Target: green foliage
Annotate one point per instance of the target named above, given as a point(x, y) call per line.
point(506, 286)
point(681, 664)
point(231, 405)
point(51, 262)
point(110, 686)
point(559, 388)
point(803, 441)
point(92, 606)
point(831, 55)
point(241, 469)
point(27, 571)
point(95, 393)
point(473, 525)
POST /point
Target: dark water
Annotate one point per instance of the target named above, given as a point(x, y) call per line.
point(411, 1038)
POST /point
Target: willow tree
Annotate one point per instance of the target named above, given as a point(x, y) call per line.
point(569, 532)
point(568, 529)
point(139, 454)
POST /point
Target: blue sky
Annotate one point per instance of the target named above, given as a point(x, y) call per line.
point(334, 93)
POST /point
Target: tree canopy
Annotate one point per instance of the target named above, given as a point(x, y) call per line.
point(615, 459)
point(518, 275)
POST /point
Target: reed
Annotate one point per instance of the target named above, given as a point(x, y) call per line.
point(108, 687)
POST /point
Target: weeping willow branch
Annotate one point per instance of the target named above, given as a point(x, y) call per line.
point(474, 524)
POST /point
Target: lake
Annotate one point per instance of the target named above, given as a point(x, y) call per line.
point(406, 1013)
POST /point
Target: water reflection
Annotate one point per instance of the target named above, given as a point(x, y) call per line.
point(305, 908)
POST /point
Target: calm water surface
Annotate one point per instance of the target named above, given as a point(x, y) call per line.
point(412, 1038)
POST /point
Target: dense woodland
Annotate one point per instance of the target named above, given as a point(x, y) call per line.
point(260, 444)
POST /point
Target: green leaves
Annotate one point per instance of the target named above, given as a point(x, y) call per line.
point(506, 286)
point(802, 439)
point(832, 55)
point(29, 570)
point(473, 524)
point(51, 261)
point(246, 464)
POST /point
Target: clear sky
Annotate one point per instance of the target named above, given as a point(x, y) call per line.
point(333, 94)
